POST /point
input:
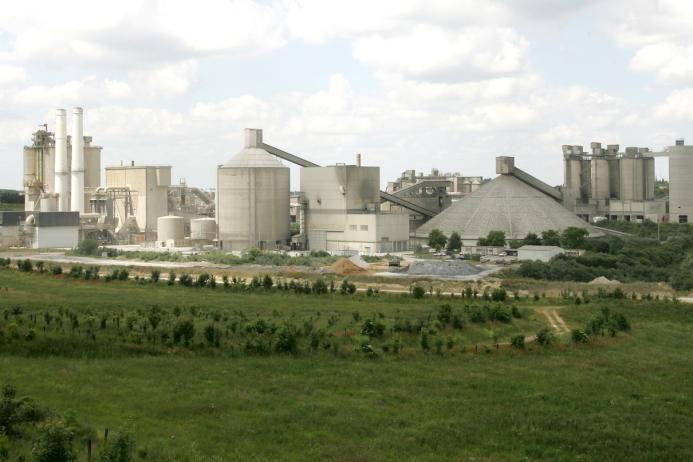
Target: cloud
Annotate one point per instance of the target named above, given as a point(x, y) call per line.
point(11, 74)
point(678, 106)
point(131, 34)
point(435, 54)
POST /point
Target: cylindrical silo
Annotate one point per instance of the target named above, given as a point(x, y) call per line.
point(170, 228)
point(203, 229)
point(62, 174)
point(253, 198)
point(681, 183)
point(48, 203)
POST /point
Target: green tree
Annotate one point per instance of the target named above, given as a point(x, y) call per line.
point(550, 237)
point(454, 242)
point(88, 247)
point(437, 239)
point(493, 239)
point(574, 237)
point(531, 239)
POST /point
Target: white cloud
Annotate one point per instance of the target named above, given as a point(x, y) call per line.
point(11, 74)
point(433, 53)
point(678, 106)
point(669, 62)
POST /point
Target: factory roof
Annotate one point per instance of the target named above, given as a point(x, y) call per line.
point(253, 157)
point(541, 248)
point(505, 204)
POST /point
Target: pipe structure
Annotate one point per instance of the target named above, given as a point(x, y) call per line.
point(77, 167)
point(61, 171)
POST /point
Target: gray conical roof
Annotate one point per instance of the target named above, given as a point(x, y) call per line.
point(504, 204)
point(253, 157)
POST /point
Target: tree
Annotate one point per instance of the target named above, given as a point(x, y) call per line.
point(550, 237)
point(437, 239)
point(531, 239)
point(493, 239)
point(574, 237)
point(454, 242)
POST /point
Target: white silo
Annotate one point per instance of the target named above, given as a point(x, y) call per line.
point(170, 228)
point(680, 183)
point(203, 229)
point(253, 198)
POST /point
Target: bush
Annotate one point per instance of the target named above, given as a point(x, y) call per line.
point(418, 292)
point(185, 280)
point(123, 274)
point(56, 269)
point(518, 341)
point(155, 276)
point(287, 339)
point(545, 337)
point(119, 448)
point(444, 314)
point(320, 286)
point(499, 295)
point(88, 247)
point(171, 278)
point(185, 331)
point(373, 328)
point(579, 336)
point(54, 443)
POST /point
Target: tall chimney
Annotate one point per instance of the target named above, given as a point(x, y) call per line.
point(61, 171)
point(77, 167)
point(358, 160)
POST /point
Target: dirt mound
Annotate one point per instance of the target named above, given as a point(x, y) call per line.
point(443, 268)
point(602, 280)
point(346, 266)
point(358, 261)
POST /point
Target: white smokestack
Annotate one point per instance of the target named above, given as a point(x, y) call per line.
point(77, 167)
point(61, 172)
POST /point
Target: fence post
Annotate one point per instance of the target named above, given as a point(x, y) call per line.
point(105, 435)
point(89, 450)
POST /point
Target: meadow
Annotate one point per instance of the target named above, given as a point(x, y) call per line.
point(220, 397)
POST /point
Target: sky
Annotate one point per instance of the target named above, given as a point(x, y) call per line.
point(410, 84)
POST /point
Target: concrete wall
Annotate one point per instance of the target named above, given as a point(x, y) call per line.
point(56, 236)
point(9, 236)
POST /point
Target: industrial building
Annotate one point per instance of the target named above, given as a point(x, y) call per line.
point(48, 166)
point(39, 230)
point(680, 184)
point(435, 192)
point(538, 252)
point(148, 187)
point(611, 184)
point(343, 211)
point(514, 202)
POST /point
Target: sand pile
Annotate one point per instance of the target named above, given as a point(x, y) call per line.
point(346, 266)
point(442, 268)
point(602, 280)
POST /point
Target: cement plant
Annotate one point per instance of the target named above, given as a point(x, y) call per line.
point(320, 230)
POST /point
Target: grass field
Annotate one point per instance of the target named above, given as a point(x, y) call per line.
point(622, 398)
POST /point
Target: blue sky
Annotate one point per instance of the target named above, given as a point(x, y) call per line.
point(408, 83)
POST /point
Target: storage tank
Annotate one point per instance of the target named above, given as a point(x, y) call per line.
point(681, 183)
point(203, 229)
point(170, 228)
point(48, 203)
point(253, 198)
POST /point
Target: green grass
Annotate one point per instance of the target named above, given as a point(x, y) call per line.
point(623, 398)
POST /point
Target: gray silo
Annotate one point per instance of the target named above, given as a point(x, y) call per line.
point(253, 198)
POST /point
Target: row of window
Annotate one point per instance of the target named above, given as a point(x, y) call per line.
point(355, 227)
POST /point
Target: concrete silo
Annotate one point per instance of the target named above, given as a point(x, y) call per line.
point(253, 198)
point(680, 183)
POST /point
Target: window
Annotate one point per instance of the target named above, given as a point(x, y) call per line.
point(626, 217)
point(683, 219)
point(364, 227)
point(352, 227)
point(613, 217)
point(640, 217)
